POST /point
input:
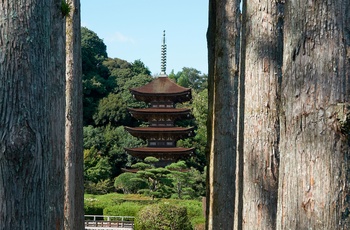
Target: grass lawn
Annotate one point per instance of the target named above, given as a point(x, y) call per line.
point(115, 204)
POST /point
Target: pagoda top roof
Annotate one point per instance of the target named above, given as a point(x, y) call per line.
point(161, 85)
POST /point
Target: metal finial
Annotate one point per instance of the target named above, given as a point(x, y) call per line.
point(163, 57)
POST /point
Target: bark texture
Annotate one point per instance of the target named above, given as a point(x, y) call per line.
point(262, 54)
point(223, 48)
point(314, 144)
point(74, 184)
point(32, 83)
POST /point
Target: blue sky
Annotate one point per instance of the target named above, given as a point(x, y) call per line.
point(133, 29)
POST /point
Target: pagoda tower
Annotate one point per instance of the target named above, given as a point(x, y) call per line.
point(161, 95)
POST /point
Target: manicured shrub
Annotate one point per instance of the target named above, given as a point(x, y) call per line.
point(163, 216)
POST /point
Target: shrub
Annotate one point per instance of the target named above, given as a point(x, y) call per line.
point(123, 209)
point(198, 223)
point(99, 188)
point(200, 226)
point(163, 217)
point(194, 208)
point(92, 206)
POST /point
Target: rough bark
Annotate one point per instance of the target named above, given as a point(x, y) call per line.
point(314, 144)
point(263, 44)
point(223, 47)
point(74, 184)
point(32, 83)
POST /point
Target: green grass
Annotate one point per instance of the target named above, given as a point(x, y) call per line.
point(115, 204)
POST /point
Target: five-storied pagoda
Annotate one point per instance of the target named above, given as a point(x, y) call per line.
point(161, 95)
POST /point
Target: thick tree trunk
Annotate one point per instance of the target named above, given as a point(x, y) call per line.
point(262, 55)
point(223, 45)
point(74, 184)
point(32, 83)
point(314, 145)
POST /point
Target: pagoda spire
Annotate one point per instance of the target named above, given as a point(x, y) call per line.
point(163, 57)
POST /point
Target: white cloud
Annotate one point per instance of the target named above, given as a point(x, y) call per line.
point(119, 37)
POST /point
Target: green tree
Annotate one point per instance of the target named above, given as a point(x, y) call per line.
point(199, 106)
point(107, 143)
point(190, 78)
point(128, 183)
point(112, 110)
point(159, 184)
point(101, 171)
point(138, 67)
point(187, 183)
point(93, 49)
point(120, 72)
point(95, 74)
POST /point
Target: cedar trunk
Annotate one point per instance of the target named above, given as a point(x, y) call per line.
point(314, 145)
point(223, 44)
point(74, 184)
point(262, 57)
point(32, 83)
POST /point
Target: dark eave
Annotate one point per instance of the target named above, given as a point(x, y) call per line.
point(161, 111)
point(147, 114)
point(160, 153)
point(175, 133)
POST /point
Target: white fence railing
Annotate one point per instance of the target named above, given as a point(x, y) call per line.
point(100, 222)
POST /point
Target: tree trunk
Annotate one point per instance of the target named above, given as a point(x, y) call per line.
point(32, 106)
point(74, 183)
point(223, 44)
point(262, 54)
point(314, 145)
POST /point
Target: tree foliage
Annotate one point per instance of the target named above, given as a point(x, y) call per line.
point(190, 78)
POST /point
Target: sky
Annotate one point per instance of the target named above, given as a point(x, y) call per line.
point(133, 30)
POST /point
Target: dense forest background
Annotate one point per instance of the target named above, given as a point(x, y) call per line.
point(106, 97)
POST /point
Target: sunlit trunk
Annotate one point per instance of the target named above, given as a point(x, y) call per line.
point(74, 184)
point(223, 48)
point(262, 57)
point(314, 144)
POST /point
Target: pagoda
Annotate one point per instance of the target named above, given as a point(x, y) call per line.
point(161, 96)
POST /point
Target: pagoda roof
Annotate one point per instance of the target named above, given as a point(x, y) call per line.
point(160, 131)
point(160, 110)
point(160, 152)
point(161, 85)
point(163, 129)
point(164, 87)
point(133, 170)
